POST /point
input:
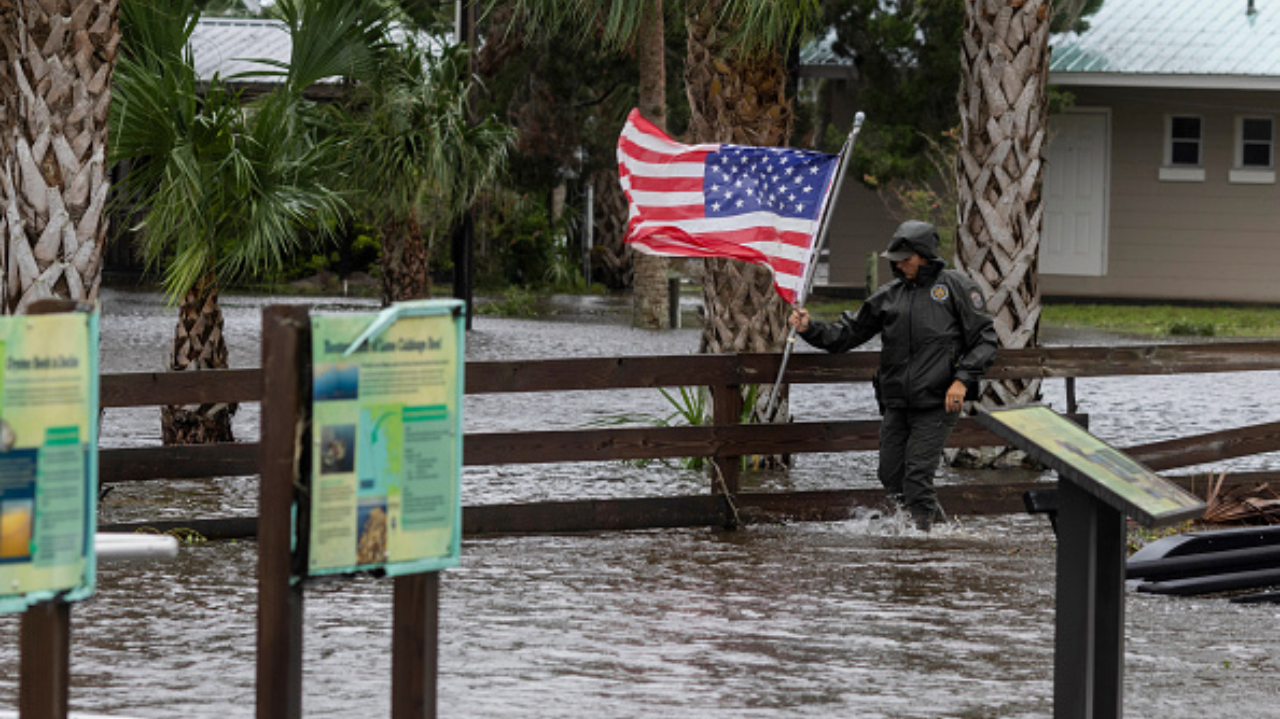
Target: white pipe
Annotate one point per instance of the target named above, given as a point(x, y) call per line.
point(119, 547)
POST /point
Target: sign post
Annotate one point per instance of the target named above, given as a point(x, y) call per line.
point(361, 456)
point(1100, 486)
point(48, 488)
point(386, 470)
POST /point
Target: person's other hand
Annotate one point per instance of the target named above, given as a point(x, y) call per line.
point(955, 396)
point(799, 319)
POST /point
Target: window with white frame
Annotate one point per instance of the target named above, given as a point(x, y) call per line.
point(1183, 149)
point(1184, 141)
point(1254, 150)
point(1256, 141)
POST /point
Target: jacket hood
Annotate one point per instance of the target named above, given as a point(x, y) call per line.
point(920, 237)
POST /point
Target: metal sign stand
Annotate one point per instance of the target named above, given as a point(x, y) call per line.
point(1099, 487)
point(1088, 656)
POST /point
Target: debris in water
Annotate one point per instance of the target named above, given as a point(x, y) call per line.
point(1256, 504)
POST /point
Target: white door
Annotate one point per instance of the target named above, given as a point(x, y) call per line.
point(1074, 238)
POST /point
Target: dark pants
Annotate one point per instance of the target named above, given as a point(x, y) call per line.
point(911, 442)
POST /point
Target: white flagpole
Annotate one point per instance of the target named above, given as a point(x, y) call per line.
point(823, 225)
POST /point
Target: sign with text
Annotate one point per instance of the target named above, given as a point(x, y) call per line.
point(48, 457)
point(386, 442)
point(1101, 470)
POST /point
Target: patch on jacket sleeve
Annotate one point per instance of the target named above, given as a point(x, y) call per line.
point(940, 292)
point(975, 298)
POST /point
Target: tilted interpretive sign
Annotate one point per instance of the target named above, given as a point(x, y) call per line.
point(1101, 470)
point(386, 443)
point(48, 457)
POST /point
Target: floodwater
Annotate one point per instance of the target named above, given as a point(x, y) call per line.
point(851, 619)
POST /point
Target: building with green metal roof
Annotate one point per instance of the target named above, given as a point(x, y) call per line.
point(1206, 44)
point(1161, 178)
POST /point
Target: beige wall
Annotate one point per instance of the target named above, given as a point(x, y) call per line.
point(1210, 240)
point(1201, 241)
point(859, 227)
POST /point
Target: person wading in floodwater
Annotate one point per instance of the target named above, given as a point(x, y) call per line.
point(938, 339)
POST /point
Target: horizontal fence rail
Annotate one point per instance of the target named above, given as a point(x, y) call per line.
point(149, 389)
point(143, 389)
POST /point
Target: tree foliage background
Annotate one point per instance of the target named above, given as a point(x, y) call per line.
point(567, 95)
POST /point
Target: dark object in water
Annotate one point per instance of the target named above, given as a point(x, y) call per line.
point(1042, 501)
point(1210, 583)
point(1192, 565)
point(1220, 540)
point(1207, 562)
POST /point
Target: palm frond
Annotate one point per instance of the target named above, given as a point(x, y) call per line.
point(409, 140)
point(223, 188)
point(332, 39)
point(758, 27)
point(157, 30)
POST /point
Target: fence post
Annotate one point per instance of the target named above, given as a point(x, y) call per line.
point(415, 646)
point(285, 378)
point(726, 408)
point(673, 303)
point(45, 664)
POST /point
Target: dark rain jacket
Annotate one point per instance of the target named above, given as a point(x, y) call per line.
point(934, 329)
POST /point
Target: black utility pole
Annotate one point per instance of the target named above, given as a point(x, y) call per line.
point(463, 230)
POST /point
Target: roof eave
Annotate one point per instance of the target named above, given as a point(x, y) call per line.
point(1179, 82)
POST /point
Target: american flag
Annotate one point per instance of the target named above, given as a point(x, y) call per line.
point(757, 204)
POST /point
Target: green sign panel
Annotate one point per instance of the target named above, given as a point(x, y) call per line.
point(1100, 469)
point(386, 443)
point(48, 457)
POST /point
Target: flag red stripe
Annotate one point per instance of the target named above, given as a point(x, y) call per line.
point(672, 214)
point(666, 184)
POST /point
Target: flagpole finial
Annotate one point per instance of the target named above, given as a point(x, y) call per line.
point(858, 118)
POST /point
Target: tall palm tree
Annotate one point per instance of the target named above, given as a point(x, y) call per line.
point(410, 143)
point(403, 128)
point(736, 78)
point(56, 66)
point(1004, 117)
point(649, 281)
point(223, 188)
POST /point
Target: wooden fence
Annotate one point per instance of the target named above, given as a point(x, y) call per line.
point(724, 441)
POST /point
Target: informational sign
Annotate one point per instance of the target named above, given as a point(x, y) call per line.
point(386, 454)
point(1100, 469)
point(48, 457)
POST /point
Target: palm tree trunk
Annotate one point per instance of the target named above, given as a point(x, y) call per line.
point(56, 63)
point(611, 257)
point(404, 262)
point(1004, 118)
point(649, 289)
point(999, 171)
point(742, 102)
point(198, 344)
